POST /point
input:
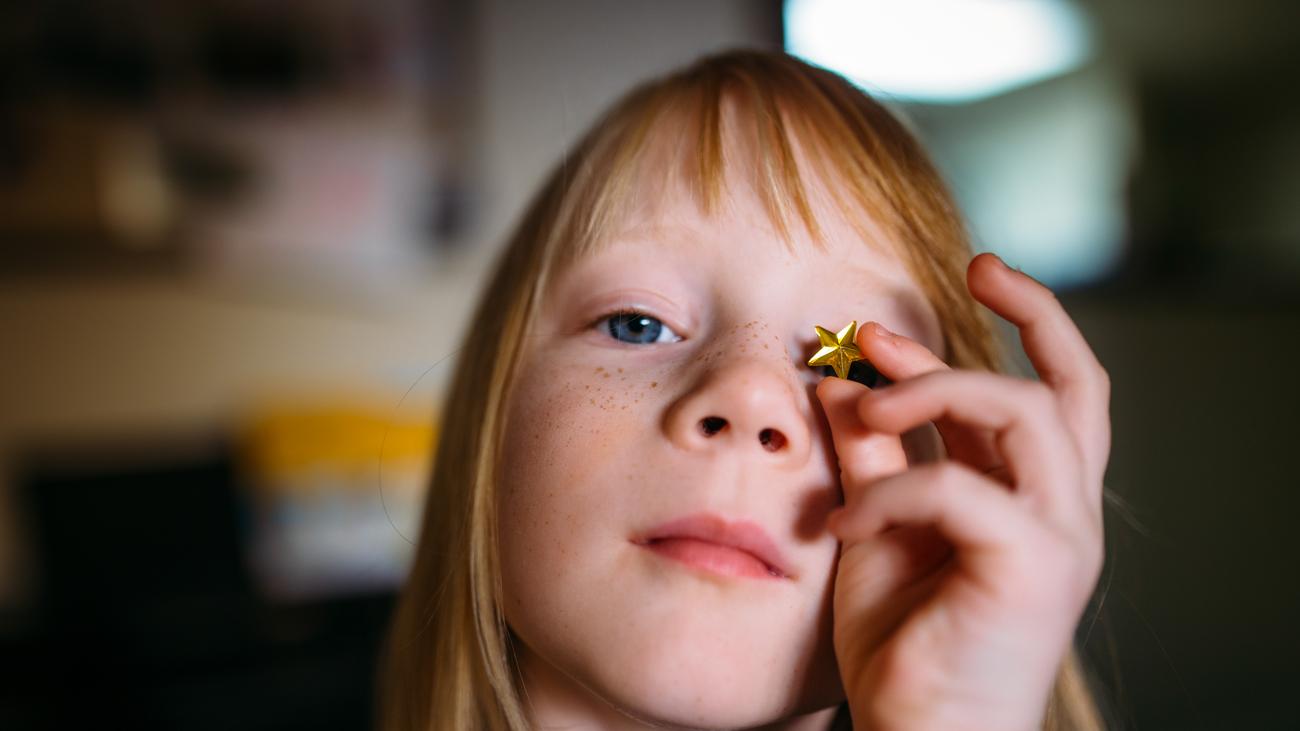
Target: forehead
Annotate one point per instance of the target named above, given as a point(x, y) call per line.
point(743, 243)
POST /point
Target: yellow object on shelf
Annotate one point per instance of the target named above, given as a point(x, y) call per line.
point(337, 490)
point(285, 442)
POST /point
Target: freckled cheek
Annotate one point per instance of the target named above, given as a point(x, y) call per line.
point(566, 421)
point(573, 425)
point(615, 390)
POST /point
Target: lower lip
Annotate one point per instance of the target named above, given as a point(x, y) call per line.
point(712, 557)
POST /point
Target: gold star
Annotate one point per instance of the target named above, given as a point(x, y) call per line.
point(838, 349)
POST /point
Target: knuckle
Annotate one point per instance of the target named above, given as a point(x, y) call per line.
point(1048, 296)
point(1086, 554)
point(961, 379)
point(1087, 574)
point(905, 682)
point(948, 476)
point(1103, 379)
point(1096, 545)
point(937, 376)
point(1039, 395)
point(1096, 561)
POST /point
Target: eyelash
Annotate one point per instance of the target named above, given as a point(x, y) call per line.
point(623, 311)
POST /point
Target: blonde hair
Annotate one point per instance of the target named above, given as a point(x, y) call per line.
point(447, 661)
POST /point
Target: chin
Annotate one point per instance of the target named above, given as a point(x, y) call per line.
point(700, 682)
point(698, 700)
point(663, 665)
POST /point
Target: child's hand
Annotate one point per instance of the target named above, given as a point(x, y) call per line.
point(968, 637)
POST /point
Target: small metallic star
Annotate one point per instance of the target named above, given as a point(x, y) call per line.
point(838, 349)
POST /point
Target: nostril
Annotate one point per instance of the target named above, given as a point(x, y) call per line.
point(712, 425)
point(771, 439)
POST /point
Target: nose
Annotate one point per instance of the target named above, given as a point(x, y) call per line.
point(750, 405)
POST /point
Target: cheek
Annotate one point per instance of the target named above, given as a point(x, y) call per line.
point(575, 440)
point(567, 421)
point(571, 434)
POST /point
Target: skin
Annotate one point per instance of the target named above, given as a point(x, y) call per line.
point(958, 619)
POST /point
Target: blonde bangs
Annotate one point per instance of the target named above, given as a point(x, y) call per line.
point(704, 119)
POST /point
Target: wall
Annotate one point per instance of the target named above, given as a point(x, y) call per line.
point(162, 354)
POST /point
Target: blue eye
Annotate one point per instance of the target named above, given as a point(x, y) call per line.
point(633, 326)
point(862, 372)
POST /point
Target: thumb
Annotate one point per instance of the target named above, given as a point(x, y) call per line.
point(863, 455)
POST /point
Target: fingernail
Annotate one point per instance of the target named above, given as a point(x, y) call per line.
point(1008, 266)
point(881, 330)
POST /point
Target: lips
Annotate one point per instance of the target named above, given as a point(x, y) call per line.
point(729, 547)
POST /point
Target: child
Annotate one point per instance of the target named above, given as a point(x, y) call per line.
point(634, 519)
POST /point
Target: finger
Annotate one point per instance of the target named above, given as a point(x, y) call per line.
point(891, 575)
point(896, 557)
point(981, 523)
point(899, 357)
point(863, 455)
point(1025, 416)
point(1059, 353)
point(896, 356)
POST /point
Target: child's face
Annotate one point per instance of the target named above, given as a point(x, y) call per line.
point(606, 441)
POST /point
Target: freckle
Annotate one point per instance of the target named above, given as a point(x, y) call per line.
point(593, 401)
point(600, 368)
point(620, 370)
point(654, 384)
point(606, 375)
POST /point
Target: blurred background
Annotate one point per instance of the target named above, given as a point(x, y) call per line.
point(239, 242)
